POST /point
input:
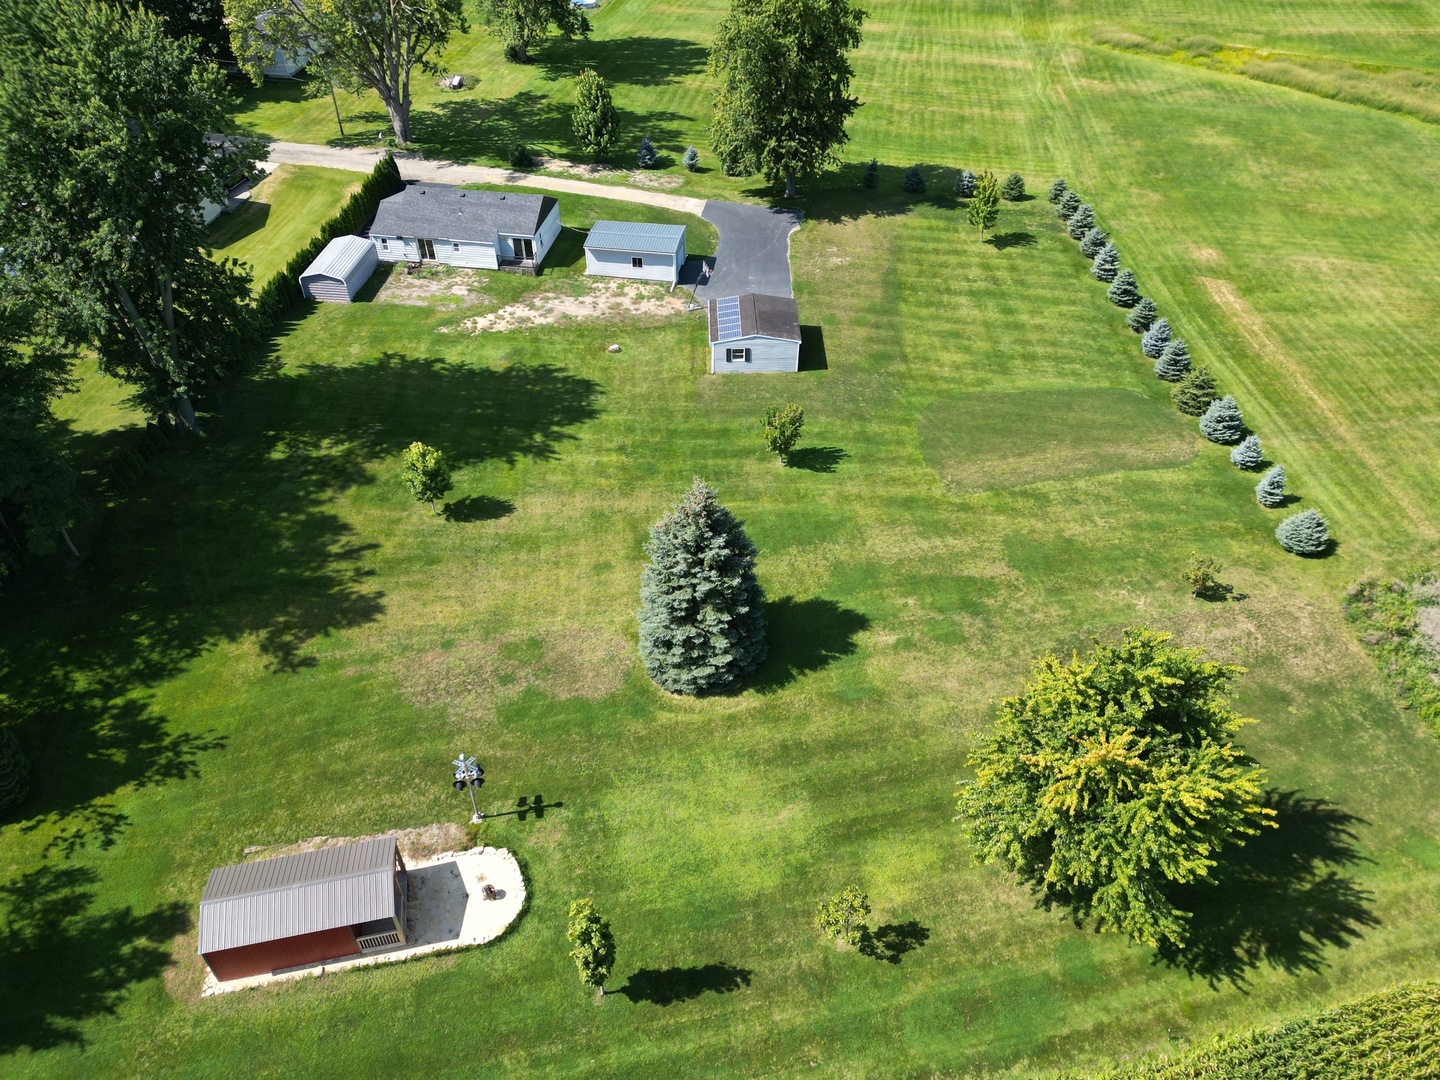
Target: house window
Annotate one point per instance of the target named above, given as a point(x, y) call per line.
point(737, 356)
point(637, 262)
point(384, 244)
point(456, 246)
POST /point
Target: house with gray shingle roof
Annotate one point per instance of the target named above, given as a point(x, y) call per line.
point(635, 249)
point(754, 332)
point(489, 230)
point(295, 910)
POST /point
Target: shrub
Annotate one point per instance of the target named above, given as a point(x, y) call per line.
point(1058, 189)
point(1106, 264)
point(426, 473)
point(1093, 242)
point(1081, 221)
point(646, 157)
point(1247, 455)
point(984, 208)
point(914, 181)
point(871, 176)
point(1156, 338)
point(1195, 392)
point(1304, 533)
point(702, 621)
point(1141, 316)
point(690, 159)
point(1222, 422)
point(1270, 491)
point(782, 426)
point(1201, 575)
point(1013, 188)
point(1173, 361)
point(520, 157)
point(841, 916)
point(1068, 204)
point(594, 118)
point(965, 183)
point(1123, 291)
point(594, 951)
point(14, 771)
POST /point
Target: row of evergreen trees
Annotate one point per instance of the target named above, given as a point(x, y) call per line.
point(1195, 393)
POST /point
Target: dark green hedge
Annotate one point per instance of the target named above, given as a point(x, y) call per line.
point(281, 292)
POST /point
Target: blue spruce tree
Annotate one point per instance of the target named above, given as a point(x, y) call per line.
point(646, 156)
point(965, 183)
point(1106, 264)
point(1271, 489)
point(1156, 338)
point(1141, 316)
point(1222, 422)
point(1081, 221)
point(1174, 361)
point(1093, 242)
point(1248, 454)
point(1068, 204)
point(1304, 533)
point(1123, 291)
point(1058, 189)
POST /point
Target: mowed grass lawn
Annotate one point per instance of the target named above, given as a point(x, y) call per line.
point(271, 640)
point(282, 213)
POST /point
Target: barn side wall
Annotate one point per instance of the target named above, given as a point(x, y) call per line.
point(266, 956)
point(766, 354)
point(617, 264)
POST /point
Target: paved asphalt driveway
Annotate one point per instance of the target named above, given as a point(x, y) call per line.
point(754, 253)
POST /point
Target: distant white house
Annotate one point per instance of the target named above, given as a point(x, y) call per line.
point(340, 270)
point(635, 249)
point(285, 65)
point(754, 332)
point(210, 210)
point(489, 230)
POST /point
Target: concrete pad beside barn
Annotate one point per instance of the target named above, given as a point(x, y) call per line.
point(446, 910)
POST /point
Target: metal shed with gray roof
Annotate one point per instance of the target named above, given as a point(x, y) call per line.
point(303, 909)
point(635, 249)
point(754, 332)
point(340, 270)
point(489, 230)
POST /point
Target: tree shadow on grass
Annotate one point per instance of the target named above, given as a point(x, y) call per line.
point(62, 963)
point(635, 61)
point(666, 986)
point(893, 941)
point(821, 459)
point(478, 508)
point(1281, 900)
point(804, 635)
point(1007, 240)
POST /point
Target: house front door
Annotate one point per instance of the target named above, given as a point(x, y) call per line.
point(524, 248)
point(427, 249)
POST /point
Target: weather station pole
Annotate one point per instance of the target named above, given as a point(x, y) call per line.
point(469, 776)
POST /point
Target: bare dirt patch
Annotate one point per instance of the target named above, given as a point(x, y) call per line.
point(1427, 623)
point(423, 842)
point(588, 171)
point(433, 285)
point(604, 298)
point(1207, 255)
point(657, 181)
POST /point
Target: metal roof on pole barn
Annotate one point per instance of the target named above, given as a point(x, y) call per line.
point(642, 237)
point(298, 894)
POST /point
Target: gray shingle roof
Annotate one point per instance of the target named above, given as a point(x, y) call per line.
point(443, 212)
point(754, 315)
point(297, 894)
point(641, 236)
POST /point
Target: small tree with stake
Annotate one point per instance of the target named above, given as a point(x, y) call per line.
point(426, 473)
point(1195, 392)
point(1058, 189)
point(1093, 242)
point(1123, 291)
point(1068, 204)
point(1156, 338)
point(1270, 492)
point(1222, 422)
point(1304, 533)
point(841, 917)
point(594, 951)
point(1174, 361)
point(1081, 222)
point(1106, 264)
point(984, 208)
point(1013, 189)
point(782, 428)
point(1141, 316)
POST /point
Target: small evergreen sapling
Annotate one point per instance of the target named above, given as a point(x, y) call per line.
point(1093, 242)
point(1248, 454)
point(1270, 492)
point(1068, 204)
point(702, 618)
point(1222, 422)
point(1081, 221)
point(1156, 338)
point(425, 471)
point(1058, 189)
point(646, 157)
point(520, 157)
point(782, 428)
point(690, 159)
point(871, 176)
point(1013, 189)
point(1123, 291)
point(1141, 316)
point(841, 917)
point(1173, 362)
point(914, 181)
point(1195, 392)
point(594, 951)
point(1304, 533)
point(965, 183)
point(1106, 264)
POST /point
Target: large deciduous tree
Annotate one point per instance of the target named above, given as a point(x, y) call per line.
point(702, 619)
point(104, 165)
point(523, 24)
point(1112, 778)
point(358, 44)
point(784, 77)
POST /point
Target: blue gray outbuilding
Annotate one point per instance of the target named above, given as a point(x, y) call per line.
point(340, 271)
point(754, 332)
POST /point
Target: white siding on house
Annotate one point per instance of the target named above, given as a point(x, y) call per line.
point(762, 354)
point(469, 253)
point(284, 65)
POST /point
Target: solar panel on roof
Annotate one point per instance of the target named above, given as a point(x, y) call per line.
point(727, 318)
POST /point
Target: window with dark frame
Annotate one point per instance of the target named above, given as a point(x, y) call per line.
point(636, 262)
point(738, 356)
